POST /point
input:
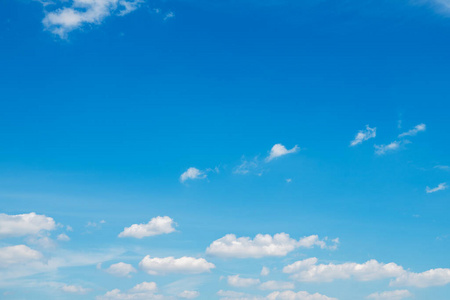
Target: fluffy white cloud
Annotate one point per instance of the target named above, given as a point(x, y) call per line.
point(165, 265)
point(142, 291)
point(189, 294)
point(19, 254)
point(156, 226)
point(433, 277)
point(440, 187)
point(76, 13)
point(265, 271)
point(24, 224)
point(145, 287)
point(280, 150)
point(308, 271)
point(414, 131)
point(364, 135)
point(290, 295)
point(191, 174)
point(391, 295)
point(237, 281)
point(382, 149)
point(121, 269)
point(74, 289)
point(277, 285)
point(263, 245)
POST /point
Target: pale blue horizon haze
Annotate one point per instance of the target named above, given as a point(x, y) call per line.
point(234, 150)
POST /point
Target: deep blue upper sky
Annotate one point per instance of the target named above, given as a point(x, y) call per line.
point(99, 122)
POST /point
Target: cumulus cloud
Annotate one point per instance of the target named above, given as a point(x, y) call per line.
point(277, 285)
point(237, 281)
point(391, 295)
point(142, 291)
point(63, 237)
point(74, 289)
point(433, 277)
point(265, 271)
point(302, 295)
point(18, 254)
point(145, 287)
point(24, 224)
point(414, 131)
point(192, 174)
point(77, 13)
point(263, 245)
point(189, 294)
point(383, 149)
point(440, 187)
point(280, 150)
point(121, 269)
point(156, 226)
point(166, 265)
point(309, 271)
point(364, 135)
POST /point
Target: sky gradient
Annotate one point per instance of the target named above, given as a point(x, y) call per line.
point(234, 150)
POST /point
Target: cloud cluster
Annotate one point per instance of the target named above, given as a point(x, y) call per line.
point(156, 226)
point(263, 245)
point(166, 265)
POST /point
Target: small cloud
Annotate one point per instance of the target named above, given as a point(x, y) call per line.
point(248, 166)
point(364, 135)
point(63, 237)
point(189, 294)
point(279, 150)
point(440, 187)
point(414, 131)
point(391, 295)
point(121, 269)
point(69, 228)
point(442, 167)
point(169, 15)
point(237, 281)
point(383, 149)
point(183, 265)
point(192, 174)
point(265, 271)
point(156, 226)
point(74, 289)
point(289, 180)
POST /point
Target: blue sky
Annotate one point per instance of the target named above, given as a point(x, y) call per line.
point(265, 150)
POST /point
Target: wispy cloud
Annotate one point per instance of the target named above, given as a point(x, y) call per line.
point(192, 174)
point(383, 149)
point(364, 135)
point(391, 295)
point(414, 131)
point(440, 187)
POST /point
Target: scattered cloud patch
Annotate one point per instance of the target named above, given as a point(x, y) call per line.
point(433, 277)
point(383, 149)
point(75, 289)
point(277, 285)
point(24, 224)
point(248, 166)
point(414, 131)
point(279, 150)
point(391, 295)
point(237, 281)
point(265, 271)
point(302, 295)
point(192, 174)
point(63, 237)
point(264, 245)
point(142, 291)
point(364, 135)
point(166, 265)
point(121, 269)
point(156, 226)
point(440, 187)
point(189, 294)
point(18, 254)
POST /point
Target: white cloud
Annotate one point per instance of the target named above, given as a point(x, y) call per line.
point(142, 291)
point(189, 294)
point(145, 287)
point(414, 131)
point(74, 289)
point(442, 167)
point(308, 271)
point(280, 150)
point(265, 271)
point(121, 269)
point(440, 187)
point(237, 281)
point(302, 295)
point(63, 237)
point(165, 265)
point(169, 15)
point(230, 294)
point(263, 245)
point(382, 149)
point(156, 226)
point(19, 254)
point(433, 277)
point(277, 285)
point(391, 295)
point(77, 13)
point(248, 166)
point(191, 174)
point(364, 135)
point(24, 224)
